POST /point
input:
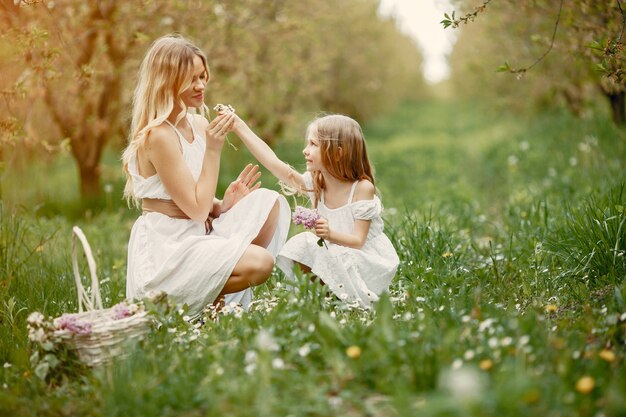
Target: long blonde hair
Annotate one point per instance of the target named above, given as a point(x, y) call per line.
point(165, 73)
point(343, 150)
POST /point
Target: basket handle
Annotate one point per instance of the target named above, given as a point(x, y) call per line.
point(83, 298)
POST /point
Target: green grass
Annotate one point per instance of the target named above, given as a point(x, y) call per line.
point(511, 237)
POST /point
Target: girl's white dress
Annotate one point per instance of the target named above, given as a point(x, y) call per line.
point(352, 274)
point(178, 256)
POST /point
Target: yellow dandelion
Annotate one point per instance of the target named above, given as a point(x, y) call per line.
point(550, 308)
point(558, 343)
point(585, 385)
point(446, 254)
point(607, 355)
point(486, 364)
point(353, 352)
point(532, 396)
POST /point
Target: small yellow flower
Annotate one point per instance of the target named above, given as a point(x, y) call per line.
point(607, 355)
point(585, 385)
point(550, 308)
point(446, 254)
point(39, 249)
point(353, 352)
point(558, 343)
point(485, 364)
point(532, 396)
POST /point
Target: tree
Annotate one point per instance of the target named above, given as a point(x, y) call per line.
point(569, 44)
point(71, 65)
point(75, 56)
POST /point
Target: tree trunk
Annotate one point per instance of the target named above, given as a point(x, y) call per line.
point(89, 180)
point(618, 107)
point(8, 11)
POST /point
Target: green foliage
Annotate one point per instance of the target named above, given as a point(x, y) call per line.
point(556, 54)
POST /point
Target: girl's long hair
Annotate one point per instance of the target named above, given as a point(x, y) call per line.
point(343, 151)
point(165, 72)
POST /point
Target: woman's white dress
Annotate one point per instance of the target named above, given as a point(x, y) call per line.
point(351, 274)
point(178, 256)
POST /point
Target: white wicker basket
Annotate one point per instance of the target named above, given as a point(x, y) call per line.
point(108, 335)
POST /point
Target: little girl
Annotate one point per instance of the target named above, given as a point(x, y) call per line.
point(357, 261)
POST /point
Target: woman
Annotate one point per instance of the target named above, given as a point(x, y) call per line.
point(197, 248)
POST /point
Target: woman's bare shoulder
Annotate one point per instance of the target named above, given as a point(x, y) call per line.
point(160, 137)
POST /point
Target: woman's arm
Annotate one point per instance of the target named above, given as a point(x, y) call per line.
point(266, 156)
point(195, 198)
point(364, 191)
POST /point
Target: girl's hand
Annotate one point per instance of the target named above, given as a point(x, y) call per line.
point(321, 229)
point(216, 131)
point(245, 183)
point(238, 124)
point(223, 109)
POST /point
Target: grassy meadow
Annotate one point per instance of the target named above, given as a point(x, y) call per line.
point(509, 300)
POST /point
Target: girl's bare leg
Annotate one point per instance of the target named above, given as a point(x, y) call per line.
point(307, 270)
point(266, 233)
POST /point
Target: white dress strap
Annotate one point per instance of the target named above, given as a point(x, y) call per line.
point(352, 192)
point(192, 124)
point(179, 134)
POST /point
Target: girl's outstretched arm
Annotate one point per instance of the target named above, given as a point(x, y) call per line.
point(266, 156)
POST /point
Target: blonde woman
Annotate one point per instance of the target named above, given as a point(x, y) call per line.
point(197, 248)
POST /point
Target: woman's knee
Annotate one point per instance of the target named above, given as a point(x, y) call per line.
point(258, 265)
point(266, 233)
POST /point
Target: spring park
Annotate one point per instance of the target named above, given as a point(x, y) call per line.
point(503, 193)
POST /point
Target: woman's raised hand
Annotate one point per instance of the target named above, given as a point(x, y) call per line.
point(245, 183)
point(218, 128)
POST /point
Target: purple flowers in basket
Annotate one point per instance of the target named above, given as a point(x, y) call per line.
point(123, 310)
point(120, 311)
point(70, 323)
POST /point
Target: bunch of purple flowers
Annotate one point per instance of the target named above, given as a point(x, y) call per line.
point(121, 310)
point(70, 323)
point(307, 218)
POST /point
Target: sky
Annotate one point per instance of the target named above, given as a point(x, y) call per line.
point(420, 20)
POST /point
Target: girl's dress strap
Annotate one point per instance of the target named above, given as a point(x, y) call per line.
point(178, 133)
point(352, 191)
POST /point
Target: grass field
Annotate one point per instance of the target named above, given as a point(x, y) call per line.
point(509, 300)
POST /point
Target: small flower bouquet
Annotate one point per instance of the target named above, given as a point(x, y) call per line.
point(307, 218)
point(225, 109)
